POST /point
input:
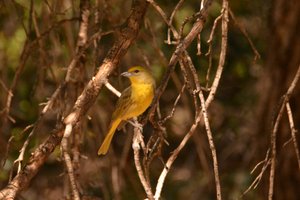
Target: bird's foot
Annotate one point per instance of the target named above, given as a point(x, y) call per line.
point(136, 124)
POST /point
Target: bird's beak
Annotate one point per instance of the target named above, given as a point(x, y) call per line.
point(126, 74)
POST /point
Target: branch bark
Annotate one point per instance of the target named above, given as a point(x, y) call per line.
point(37, 159)
point(209, 99)
point(286, 99)
point(136, 141)
point(125, 36)
point(197, 27)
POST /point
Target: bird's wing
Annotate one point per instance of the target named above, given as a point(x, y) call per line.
point(123, 104)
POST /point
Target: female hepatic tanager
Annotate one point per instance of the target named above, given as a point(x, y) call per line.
point(133, 101)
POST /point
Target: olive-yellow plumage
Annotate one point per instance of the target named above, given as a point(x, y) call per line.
point(133, 101)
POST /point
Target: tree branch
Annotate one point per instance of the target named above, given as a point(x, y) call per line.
point(136, 141)
point(286, 98)
point(197, 27)
point(126, 35)
point(37, 159)
point(198, 117)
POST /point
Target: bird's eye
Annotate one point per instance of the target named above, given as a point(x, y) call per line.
point(136, 71)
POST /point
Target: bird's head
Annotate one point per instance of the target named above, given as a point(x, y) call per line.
point(139, 75)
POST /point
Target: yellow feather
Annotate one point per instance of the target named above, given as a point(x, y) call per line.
point(106, 143)
point(133, 101)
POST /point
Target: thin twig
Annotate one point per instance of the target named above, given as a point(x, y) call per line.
point(186, 20)
point(197, 27)
point(52, 100)
point(199, 45)
point(222, 54)
point(172, 158)
point(82, 39)
point(212, 33)
point(37, 159)
point(178, 5)
point(274, 133)
point(207, 127)
point(164, 17)
point(128, 33)
point(76, 66)
point(243, 30)
point(189, 64)
point(204, 103)
point(293, 132)
point(189, 84)
point(193, 70)
point(112, 89)
point(211, 145)
point(23, 58)
point(26, 52)
point(4, 86)
point(136, 141)
point(69, 165)
point(118, 50)
point(254, 184)
point(174, 106)
point(23, 149)
point(209, 51)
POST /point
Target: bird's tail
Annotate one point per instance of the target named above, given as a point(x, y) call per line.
point(106, 143)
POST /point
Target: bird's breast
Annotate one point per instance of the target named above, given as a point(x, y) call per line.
point(141, 96)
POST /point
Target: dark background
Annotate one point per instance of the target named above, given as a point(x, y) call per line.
point(241, 114)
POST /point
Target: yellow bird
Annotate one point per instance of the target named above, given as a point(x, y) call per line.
point(133, 101)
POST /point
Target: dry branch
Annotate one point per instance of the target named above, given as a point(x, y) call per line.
point(197, 27)
point(207, 103)
point(126, 35)
point(70, 168)
point(271, 159)
point(275, 126)
point(243, 30)
point(265, 163)
point(136, 143)
point(293, 132)
point(37, 159)
point(75, 73)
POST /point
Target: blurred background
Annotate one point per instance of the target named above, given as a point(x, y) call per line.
point(241, 115)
